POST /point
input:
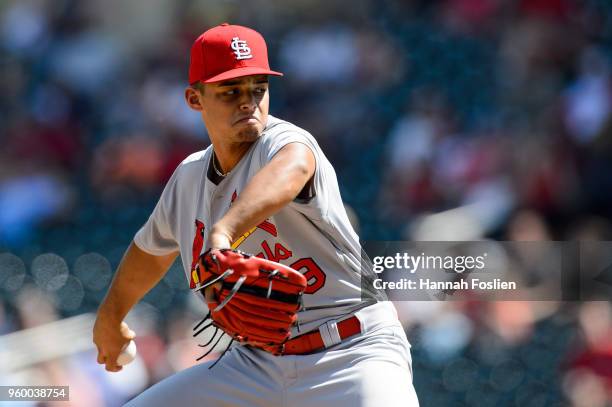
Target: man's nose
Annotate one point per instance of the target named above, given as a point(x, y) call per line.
point(248, 101)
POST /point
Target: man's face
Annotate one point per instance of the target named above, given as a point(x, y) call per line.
point(235, 110)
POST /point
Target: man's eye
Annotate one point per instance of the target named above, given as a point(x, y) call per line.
point(231, 92)
point(260, 90)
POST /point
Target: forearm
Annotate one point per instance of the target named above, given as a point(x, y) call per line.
point(253, 208)
point(137, 273)
point(273, 187)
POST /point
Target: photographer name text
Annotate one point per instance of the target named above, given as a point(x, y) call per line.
point(428, 284)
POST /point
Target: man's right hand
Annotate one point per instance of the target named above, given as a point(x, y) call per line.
point(110, 336)
point(128, 287)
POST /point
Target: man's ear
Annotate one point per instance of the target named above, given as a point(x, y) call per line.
point(192, 98)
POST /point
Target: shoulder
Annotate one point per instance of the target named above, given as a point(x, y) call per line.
point(195, 161)
point(192, 166)
point(277, 126)
point(197, 157)
point(282, 132)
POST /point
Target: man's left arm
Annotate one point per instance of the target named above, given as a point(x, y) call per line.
point(273, 187)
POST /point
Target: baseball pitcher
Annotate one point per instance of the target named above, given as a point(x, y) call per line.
point(265, 242)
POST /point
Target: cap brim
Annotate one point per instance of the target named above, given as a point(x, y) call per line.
point(238, 72)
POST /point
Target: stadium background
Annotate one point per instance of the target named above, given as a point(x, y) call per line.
point(423, 107)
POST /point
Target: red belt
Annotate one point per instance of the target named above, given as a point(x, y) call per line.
point(313, 342)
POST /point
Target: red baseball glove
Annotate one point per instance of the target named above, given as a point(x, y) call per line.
point(254, 300)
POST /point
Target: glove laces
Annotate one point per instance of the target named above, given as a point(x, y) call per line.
point(197, 331)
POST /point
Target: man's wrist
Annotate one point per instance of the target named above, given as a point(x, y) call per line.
point(220, 230)
point(220, 237)
point(110, 311)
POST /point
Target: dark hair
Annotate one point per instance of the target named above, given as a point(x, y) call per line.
point(199, 86)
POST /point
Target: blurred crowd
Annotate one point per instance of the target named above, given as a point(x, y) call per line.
point(444, 119)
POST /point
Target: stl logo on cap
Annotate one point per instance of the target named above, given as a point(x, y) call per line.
point(241, 49)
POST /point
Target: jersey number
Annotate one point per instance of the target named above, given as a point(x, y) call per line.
point(315, 277)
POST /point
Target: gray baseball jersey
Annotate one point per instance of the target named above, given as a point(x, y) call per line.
point(311, 235)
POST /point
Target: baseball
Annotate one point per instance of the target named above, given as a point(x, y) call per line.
point(128, 353)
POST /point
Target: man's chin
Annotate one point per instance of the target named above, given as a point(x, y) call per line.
point(249, 133)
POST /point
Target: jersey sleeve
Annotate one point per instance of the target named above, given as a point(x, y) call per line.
point(316, 206)
point(274, 143)
point(157, 236)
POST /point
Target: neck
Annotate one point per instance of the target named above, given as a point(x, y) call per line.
point(228, 156)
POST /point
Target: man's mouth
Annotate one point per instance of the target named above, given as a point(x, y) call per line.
point(247, 120)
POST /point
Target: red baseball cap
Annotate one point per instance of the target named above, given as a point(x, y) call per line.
point(228, 51)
